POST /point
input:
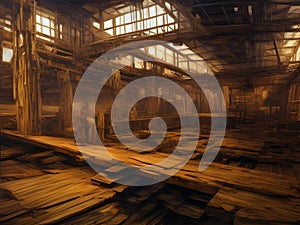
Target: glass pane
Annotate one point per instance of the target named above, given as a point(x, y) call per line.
point(151, 51)
point(167, 19)
point(160, 30)
point(38, 19)
point(146, 14)
point(139, 25)
point(120, 20)
point(148, 23)
point(160, 21)
point(152, 10)
point(110, 32)
point(52, 33)
point(46, 30)
point(169, 52)
point(107, 24)
point(171, 27)
point(45, 22)
point(129, 28)
point(149, 18)
point(169, 59)
point(127, 18)
point(38, 28)
point(7, 54)
point(137, 15)
point(120, 30)
point(170, 19)
point(97, 25)
point(193, 66)
point(52, 24)
point(160, 10)
point(153, 22)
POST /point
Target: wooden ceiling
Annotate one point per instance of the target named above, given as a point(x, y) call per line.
point(237, 38)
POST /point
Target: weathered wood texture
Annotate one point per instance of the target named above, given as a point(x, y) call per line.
point(55, 197)
point(26, 72)
point(65, 101)
point(242, 194)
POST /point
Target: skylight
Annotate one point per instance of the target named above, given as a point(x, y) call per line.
point(151, 19)
point(180, 56)
point(293, 37)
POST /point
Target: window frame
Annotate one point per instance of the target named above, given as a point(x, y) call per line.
point(41, 26)
point(155, 21)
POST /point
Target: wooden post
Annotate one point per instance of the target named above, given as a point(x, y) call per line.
point(151, 102)
point(65, 101)
point(26, 72)
point(298, 100)
point(101, 125)
point(226, 94)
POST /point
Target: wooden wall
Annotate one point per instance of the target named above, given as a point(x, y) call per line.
point(293, 103)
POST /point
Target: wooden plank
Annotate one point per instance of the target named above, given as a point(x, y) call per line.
point(69, 209)
point(191, 211)
point(65, 101)
point(12, 170)
point(26, 73)
point(208, 181)
point(107, 214)
point(296, 167)
point(254, 208)
point(101, 180)
point(10, 153)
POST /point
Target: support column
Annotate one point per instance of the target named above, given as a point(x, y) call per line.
point(26, 71)
point(298, 100)
point(65, 101)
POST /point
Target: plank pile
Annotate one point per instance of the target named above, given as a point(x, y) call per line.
point(233, 194)
point(55, 197)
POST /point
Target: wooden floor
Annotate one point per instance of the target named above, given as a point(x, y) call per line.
point(47, 182)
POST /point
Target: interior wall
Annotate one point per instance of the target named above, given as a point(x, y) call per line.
point(293, 102)
point(6, 84)
point(6, 41)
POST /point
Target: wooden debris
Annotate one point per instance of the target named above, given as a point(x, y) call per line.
point(204, 189)
point(253, 208)
point(101, 180)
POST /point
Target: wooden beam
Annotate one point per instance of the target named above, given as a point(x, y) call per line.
point(196, 23)
point(65, 101)
point(277, 52)
point(26, 72)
